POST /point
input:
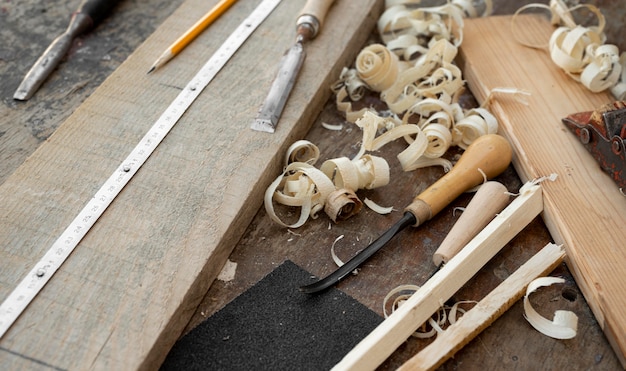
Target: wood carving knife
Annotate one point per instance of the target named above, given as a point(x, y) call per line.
point(307, 28)
point(87, 16)
point(489, 155)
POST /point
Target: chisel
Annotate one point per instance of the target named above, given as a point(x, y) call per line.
point(87, 16)
point(307, 27)
point(487, 156)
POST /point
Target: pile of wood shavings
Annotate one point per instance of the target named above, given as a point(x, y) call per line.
point(417, 80)
point(580, 51)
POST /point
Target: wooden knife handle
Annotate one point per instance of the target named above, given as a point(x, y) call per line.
point(312, 16)
point(489, 154)
point(490, 199)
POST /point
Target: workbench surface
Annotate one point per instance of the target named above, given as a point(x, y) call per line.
point(27, 28)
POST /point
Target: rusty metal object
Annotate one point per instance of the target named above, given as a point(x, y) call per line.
point(603, 133)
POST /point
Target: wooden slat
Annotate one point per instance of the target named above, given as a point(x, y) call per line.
point(584, 209)
point(126, 293)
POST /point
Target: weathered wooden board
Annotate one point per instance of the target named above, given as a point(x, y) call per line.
point(584, 209)
point(125, 294)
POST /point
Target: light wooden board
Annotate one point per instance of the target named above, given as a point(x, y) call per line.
point(125, 294)
point(584, 209)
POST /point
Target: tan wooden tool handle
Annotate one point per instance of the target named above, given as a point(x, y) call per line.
point(490, 153)
point(314, 13)
point(490, 199)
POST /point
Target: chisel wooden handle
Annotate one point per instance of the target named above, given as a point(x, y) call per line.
point(489, 155)
point(490, 199)
point(312, 17)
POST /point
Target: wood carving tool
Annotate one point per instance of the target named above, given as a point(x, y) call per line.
point(86, 17)
point(308, 25)
point(192, 33)
point(603, 133)
point(40, 274)
point(489, 155)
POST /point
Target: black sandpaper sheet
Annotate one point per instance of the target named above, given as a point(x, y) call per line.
point(274, 326)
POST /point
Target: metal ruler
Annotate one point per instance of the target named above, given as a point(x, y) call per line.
point(43, 270)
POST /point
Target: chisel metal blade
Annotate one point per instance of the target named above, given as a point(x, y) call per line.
point(272, 108)
point(51, 57)
point(87, 16)
point(307, 27)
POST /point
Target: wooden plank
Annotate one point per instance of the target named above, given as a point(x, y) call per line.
point(584, 209)
point(128, 290)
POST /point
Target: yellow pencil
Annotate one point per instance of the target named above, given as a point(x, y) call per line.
point(191, 34)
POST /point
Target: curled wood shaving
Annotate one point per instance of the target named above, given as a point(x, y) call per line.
point(604, 70)
point(328, 126)
point(411, 157)
point(476, 123)
point(366, 172)
point(354, 86)
point(336, 259)
point(580, 50)
point(308, 188)
point(302, 151)
point(432, 76)
point(341, 204)
point(377, 67)
point(564, 323)
point(344, 104)
point(619, 89)
point(301, 185)
point(376, 207)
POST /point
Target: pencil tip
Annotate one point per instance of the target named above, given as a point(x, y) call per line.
point(151, 69)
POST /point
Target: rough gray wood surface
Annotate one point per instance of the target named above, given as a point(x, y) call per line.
point(128, 290)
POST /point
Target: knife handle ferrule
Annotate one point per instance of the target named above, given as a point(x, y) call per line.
point(312, 17)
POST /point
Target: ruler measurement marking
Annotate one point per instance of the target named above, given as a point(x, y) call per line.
point(44, 269)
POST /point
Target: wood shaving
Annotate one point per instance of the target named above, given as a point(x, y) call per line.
point(336, 259)
point(415, 75)
point(308, 188)
point(377, 208)
point(447, 315)
point(302, 151)
point(564, 323)
point(328, 126)
point(342, 204)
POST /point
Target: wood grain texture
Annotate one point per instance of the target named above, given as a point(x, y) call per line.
point(128, 290)
point(584, 209)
